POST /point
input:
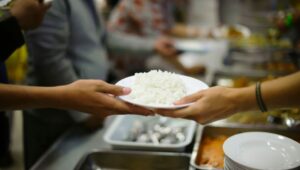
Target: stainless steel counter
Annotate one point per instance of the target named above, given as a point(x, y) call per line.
point(71, 147)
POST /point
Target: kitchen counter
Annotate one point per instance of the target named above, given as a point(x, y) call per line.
point(71, 147)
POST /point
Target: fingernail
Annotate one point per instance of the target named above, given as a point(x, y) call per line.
point(178, 102)
point(126, 90)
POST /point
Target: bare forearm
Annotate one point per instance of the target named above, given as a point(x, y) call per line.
point(180, 30)
point(281, 92)
point(22, 97)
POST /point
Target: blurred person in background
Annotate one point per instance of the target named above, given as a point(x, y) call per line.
point(72, 44)
point(15, 15)
point(220, 102)
point(148, 19)
point(90, 96)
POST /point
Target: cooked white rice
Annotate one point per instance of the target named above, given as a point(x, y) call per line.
point(157, 88)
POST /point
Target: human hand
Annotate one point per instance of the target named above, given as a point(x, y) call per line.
point(98, 97)
point(209, 105)
point(29, 13)
point(165, 47)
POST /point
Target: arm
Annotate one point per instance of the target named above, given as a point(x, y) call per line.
point(27, 14)
point(282, 92)
point(90, 96)
point(278, 93)
point(119, 43)
point(119, 18)
point(48, 46)
point(180, 30)
point(219, 102)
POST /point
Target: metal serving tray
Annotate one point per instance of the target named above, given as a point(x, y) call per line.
point(133, 160)
point(121, 126)
point(214, 131)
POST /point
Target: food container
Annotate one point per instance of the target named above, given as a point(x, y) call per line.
point(122, 126)
point(215, 133)
point(133, 160)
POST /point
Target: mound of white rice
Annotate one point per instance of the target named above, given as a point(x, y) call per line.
point(157, 88)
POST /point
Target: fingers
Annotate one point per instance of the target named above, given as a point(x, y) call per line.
point(112, 89)
point(180, 113)
point(189, 99)
point(125, 108)
point(199, 117)
point(119, 107)
point(139, 110)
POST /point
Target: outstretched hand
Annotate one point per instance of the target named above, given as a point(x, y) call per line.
point(98, 97)
point(208, 105)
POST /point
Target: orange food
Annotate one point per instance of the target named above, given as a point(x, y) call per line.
point(211, 152)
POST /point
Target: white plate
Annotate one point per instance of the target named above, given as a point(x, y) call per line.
point(261, 150)
point(192, 85)
point(191, 45)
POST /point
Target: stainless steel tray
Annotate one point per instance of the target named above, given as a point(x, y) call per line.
point(214, 131)
point(133, 160)
point(117, 133)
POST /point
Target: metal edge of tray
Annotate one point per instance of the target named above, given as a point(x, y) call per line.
point(85, 156)
point(268, 127)
point(195, 148)
point(128, 145)
point(82, 160)
point(194, 153)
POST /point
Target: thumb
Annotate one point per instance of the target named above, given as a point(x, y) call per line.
point(113, 89)
point(189, 99)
